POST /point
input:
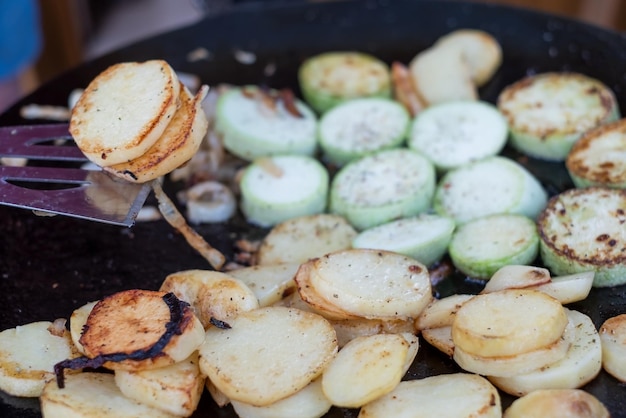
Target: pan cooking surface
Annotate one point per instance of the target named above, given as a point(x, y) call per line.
point(50, 266)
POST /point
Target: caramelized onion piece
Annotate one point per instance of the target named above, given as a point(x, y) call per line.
point(171, 214)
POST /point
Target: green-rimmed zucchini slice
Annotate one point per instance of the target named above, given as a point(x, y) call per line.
point(256, 123)
point(330, 78)
point(482, 246)
point(548, 112)
point(381, 187)
point(585, 230)
point(489, 186)
point(598, 158)
point(454, 133)
point(359, 127)
point(424, 237)
point(275, 189)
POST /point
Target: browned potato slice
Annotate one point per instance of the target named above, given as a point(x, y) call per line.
point(270, 283)
point(440, 338)
point(442, 75)
point(516, 276)
point(445, 396)
point(211, 294)
point(28, 354)
point(175, 389)
point(124, 111)
point(365, 368)
point(508, 322)
point(92, 395)
point(562, 403)
point(267, 354)
point(133, 320)
point(77, 322)
point(582, 362)
point(481, 51)
point(309, 402)
point(372, 283)
point(315, 302)
point(178, 143)
point(513, 365)
point(613, 338)
point(349, 329)
point(300, 239)
point(440, 312)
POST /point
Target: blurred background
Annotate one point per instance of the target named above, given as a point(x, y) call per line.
point(39, 39)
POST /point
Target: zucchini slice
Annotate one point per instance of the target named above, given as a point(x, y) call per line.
point(278, 188)
point(598, 158)
point(359, 127)
point(454, 133)
point(256, 123)
point(486, 187)
point(383, 186)
point(330, 78)
point(482, 246)
point(424, 237)
point(547, 113)
point(584, 230)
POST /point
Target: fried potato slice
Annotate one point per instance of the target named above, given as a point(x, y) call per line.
point(562, 403)
point(514, 365)
point(270, 282)
point(78, 319)
point(267, 354)
point(315, 302)
point(175, 389)
point(566, 289)
point(133, 320)
point(309, 402)
point(364, 369)
point(480, 50)
point(349, 329)
point(440, 338)
point(28, 354)
point(442, 75)
point(613, 338)
point(92, 395)
point(440, 312)
point(372, 284)
point(300, 239)
point(582, 362)
point(178, 143)
point(211, 294)
point(508, 322)
point(444, 396)
point(516, 276)
point(124, 111)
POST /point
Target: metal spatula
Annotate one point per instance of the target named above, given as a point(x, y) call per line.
point(54, 181)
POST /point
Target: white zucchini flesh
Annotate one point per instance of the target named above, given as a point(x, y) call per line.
point(424, 237)
point(583, 230)
point(381, 187)
point(490, 186)
point(361, 126)
point(454, 133)
point(482, 246)
point(250, 129)
point(598, 158)
point(548, 112)
point(279, 188)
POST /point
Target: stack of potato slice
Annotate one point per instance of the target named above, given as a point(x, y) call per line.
point(517, 333)
point(138, 121)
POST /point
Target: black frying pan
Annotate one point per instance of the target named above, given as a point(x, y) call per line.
point(50, 266)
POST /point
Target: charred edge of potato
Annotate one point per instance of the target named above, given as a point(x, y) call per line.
point(173, 327)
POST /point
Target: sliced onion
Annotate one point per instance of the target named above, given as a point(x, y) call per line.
point(210, 202)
